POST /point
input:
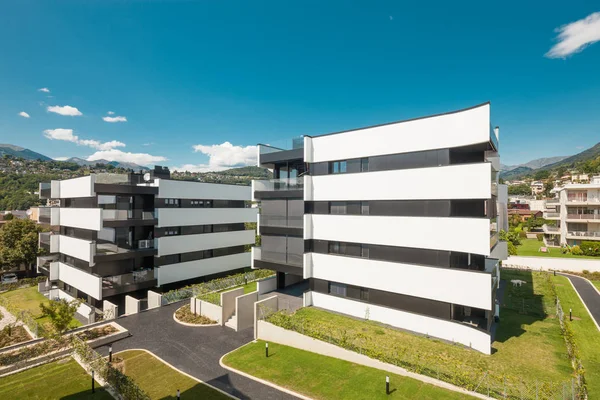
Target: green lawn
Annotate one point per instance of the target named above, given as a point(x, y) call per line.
point(531, 247)
point(587, 336)
point(529, 345)
point(248, 288)
point(160, 381)
point(29, 299)
point(597, 284)
point(322, 377)
point(63, 379)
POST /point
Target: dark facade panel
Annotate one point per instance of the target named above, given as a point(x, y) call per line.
point(285, 268)
point(84, 234)
point(280, 230)
point(129, 222)
point(412, 304)
point(279, 156)
point(107, 188)
point(279, 194)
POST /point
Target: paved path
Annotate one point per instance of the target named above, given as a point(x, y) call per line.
point(194, 350)
point(588, 294)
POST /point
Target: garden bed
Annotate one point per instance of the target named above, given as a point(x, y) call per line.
point(17, 335)
point(186, 316)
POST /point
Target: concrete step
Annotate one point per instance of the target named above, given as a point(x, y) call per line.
point(232, 322)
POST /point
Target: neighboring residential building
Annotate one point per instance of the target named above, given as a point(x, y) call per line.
point(576, 210)
point(125, 233)
point(525, 214)
point(396, 223)
point(537, 187)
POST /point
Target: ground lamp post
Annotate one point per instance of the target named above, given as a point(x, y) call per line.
point(178, 394)
point(570, 314)
point(93, 388)
point(387, 385)
point(110, 353)
point(267, 350)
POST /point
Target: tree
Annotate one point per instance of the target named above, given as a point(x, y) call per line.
point(522, 189)
point(535, 222)
point(60, 313)
point(547, 188)
point(541, 174)
point(19, 243)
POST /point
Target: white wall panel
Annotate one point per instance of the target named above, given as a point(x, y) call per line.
point(469, 181)
point(456, 286)
point(78, 248)
point(204, 216)
point(77, 187)
point(87, 283)
point(84, 310)
point(198, 190)
point(452, 331)
point(194, 269)
point(206, 241)
point(444, 131)
point(84, 218)
point(469, 235)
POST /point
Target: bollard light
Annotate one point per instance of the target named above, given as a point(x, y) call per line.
point(110, 353)
point(570, 314)
point(387, 385)
point(178, 394)
point(93, 383)
point(267, 350)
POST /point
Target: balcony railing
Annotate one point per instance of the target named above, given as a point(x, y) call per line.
point(282, 145)
point(121, 283)
point(123, 215)
point(584, 234)
point(553, 201)
point(548, 228)
point(112, 248)
point(584, 216)
point(45, 191)
point(279, 184)
point(282, 221)
point(282, 258)
point(552, 215)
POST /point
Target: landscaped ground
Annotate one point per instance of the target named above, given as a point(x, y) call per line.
point(29, 299)
point(587, 336)
point(529, 344)
point(160, 381)
point(18, 334)
point(184, 314)
point(597, 284)
point(248, 288)
point(63, 379)
point(531, 247)
point(322, 377)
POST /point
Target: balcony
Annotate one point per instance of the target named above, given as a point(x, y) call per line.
point(135, 217)
point(136, 280)
point(278, 184)
point(107, 249)
point(552, 215)
point(282, 221)
point(279, 261)
point(584, 217)
point(44, 190)
point(44, 215)
point(583, 235)
point(48, 266)
point(49, 242)
point(551, 229)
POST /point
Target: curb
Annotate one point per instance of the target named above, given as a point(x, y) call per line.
point(181, 372)
point(267, 383)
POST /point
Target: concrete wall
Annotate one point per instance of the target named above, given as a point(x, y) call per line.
point(549, 263)
point(228, 302)
point(132, 305)
point(290, 279)
point(267, 305)
point(271, 333)
point(244, 306)
point(266, 285)
point(108, 307)
point(211, 311)
point(155, 300)
point(42, 287)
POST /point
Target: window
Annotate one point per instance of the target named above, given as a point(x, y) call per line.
point(364, 294)
point(172, 231)
point(208, 228)
point(337, 167)
point(364, 165)
point(364, 250)
point(337, 289)
point(208, 203)
point(364, 208)
point(337, 207)
point(334, 247)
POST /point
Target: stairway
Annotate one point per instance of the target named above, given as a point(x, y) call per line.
point(232, 322)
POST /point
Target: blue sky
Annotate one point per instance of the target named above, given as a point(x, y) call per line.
point(190, 76)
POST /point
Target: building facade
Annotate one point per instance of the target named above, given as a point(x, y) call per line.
point(576, 210)
point(396, 223)
point(117, 234)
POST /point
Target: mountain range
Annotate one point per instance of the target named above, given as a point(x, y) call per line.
point(16, 151)
point(116, 164)
point(534, 164)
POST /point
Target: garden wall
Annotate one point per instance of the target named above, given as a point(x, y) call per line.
point(550, 263)
point(228, 302)
point(155, 300)
point(266, 285)
point(271, 333)
point(132, 305)
point(244, 306)
point(211, 311)
point(262, 308)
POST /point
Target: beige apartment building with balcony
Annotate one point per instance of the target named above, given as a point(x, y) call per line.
point(576, 210)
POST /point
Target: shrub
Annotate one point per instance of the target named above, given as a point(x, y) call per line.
point(590, 248)
point(512, 249)
point(523, 235)
point(540, 237)
point(576, 250)
point(585, 271)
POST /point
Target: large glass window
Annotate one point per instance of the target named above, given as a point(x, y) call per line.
point(337, 207)
point(364, 207)
point(364, 165)
point(364, 250)
point(337, 289)
point(338, 167)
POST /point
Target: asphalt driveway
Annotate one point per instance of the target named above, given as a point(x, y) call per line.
point(588, 294)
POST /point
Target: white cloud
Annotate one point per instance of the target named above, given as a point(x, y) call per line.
point(121, 156)
point(65, 110)
point(115, 119)
point(576, 36)
point(111, 113)
point(61, 158)
point(68, 136)
point(148, 144)
point(23, 114)
point(44, 89)
point(222, 156)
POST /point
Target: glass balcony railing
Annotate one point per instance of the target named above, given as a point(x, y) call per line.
point(551, 215)
point(282, 145)
point(121, 283)
point(584, 234)
point(117, 248)
point(114, 179)
point(553, 201)
point(279, 184)
point(282, 221)
point(123, 215)
point(44, 190)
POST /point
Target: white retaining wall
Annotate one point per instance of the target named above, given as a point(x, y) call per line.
point(228, 302)
point(108, 307)
point(132, 305)
point(267, 305)
point(244, 306)
point(271, 333)
point(550, 263)
point(266, 285)
point(155, 300)
point(447, 330)
point(84, 310)
point(211, 311)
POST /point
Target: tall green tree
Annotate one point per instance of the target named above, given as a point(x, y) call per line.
point(60, 312)
point(523, 190)
point(19, 243)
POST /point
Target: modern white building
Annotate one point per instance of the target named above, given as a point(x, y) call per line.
point(576, 210)
point(117, 234)
point(397, 223)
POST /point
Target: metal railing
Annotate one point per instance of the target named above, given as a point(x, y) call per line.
point(279, 184)
point(282, 221)
point(548, 228)
point(583, 216)
point(551, 215)
point(584, 234)
point(123, 215)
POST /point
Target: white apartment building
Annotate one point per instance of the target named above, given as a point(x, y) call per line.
point(576, 210)
point(397, 223)
point(117, 234)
